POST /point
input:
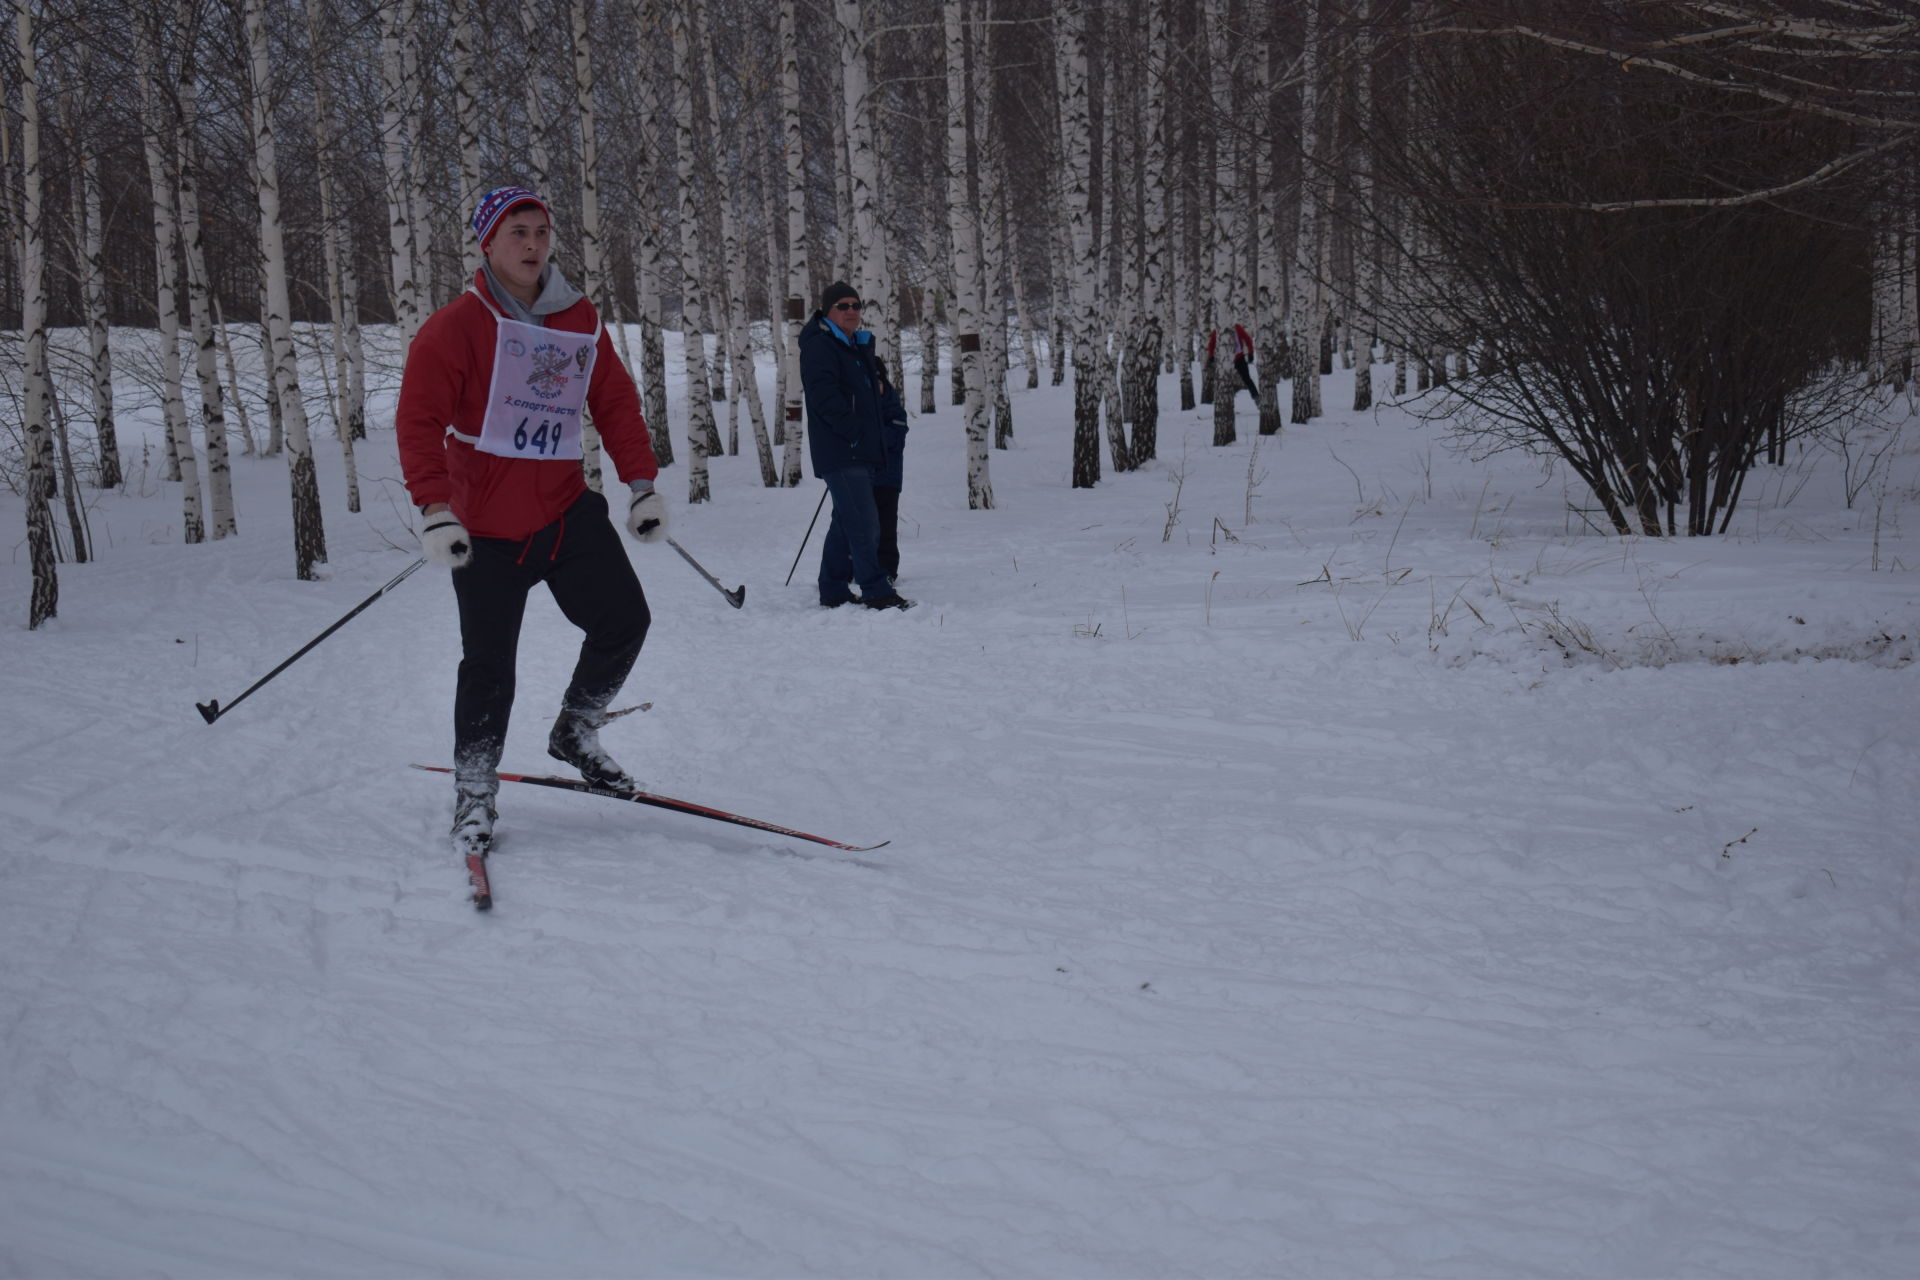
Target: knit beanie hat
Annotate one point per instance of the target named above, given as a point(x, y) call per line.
point(497, 204)
point(834, 292)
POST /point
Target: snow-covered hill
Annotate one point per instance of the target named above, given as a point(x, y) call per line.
point(1375, 875)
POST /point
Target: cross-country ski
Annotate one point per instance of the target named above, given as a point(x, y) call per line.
point(668, 802)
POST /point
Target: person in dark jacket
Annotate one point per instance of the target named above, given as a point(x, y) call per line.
point(847, 411)
point(489, 428)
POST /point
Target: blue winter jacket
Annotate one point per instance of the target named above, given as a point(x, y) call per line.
point(849, 406)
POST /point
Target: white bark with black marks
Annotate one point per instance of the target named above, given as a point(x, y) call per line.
point(309, 535)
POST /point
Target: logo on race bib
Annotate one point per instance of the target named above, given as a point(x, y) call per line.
point(580, 356)
point(548, 362)
point(515, 348)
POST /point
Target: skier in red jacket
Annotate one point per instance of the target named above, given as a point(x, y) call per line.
point(489, 426)
point(1242, 353)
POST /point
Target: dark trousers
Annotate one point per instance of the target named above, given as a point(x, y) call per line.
point(581, 559)
point(1246, 379)
point(851, 551)
point(886, 504)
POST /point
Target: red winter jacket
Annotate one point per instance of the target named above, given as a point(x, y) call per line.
point(444, 386)
point(1242, 342)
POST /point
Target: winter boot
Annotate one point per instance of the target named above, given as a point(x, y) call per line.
point(473, 816)
point(576, 741)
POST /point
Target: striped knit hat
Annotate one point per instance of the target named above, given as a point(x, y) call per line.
point(499, 202)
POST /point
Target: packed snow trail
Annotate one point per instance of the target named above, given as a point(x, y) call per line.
point(1235, 924)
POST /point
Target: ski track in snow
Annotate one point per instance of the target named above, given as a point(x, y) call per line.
point(1234, 923)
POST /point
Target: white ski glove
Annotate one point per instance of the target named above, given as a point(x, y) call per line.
point(647, 516)
point(445, 540)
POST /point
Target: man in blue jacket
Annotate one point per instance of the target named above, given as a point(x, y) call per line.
point(849, 407)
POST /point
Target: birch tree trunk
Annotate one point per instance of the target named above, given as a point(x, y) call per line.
point(166, 285)
point(1367, 224)
point(1153, 243)
point(739, 347)
point(420, 167)
point(44, 600)
point(1076, 141)
point(650, 276)
point(90, 219)
point(592, 248)
point(1306, 313)
point(1269, 320)
point(991, 160)
point(213, 418)
point(796, 189)
point(930, 302)
point(1029, 327)
point(466, 118)
point(964, 229)
point(309, 538)
point(349, 360)
point(531, 44)
point(1225, 210)
point(869, 256)
point(1118, 310)
point(700, 424)
point(397, 91)
point(239, 401)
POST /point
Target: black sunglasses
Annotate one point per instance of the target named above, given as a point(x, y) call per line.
point(847, 306)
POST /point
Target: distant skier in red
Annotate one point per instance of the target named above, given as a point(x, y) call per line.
point(1242, 355)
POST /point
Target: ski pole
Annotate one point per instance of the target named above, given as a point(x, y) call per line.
point(803, 541)
point(212, 710)
point(735, 597)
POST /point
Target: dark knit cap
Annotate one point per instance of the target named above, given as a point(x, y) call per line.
point(834, 292)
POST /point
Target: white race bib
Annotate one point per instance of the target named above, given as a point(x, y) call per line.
point(539, 389)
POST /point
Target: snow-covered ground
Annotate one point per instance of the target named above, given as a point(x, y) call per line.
point(1376, 875)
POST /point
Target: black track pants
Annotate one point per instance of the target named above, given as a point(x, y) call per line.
point(581, 559)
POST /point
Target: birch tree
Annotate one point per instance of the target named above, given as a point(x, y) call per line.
point(1222, 55)
point(466, 118)
point(90, 220)
point(166, 283)
point(1268, 321)
point(213, 418)
point(650, 271)
point(963, 228)
point(991, 158)
point(535, 77)
point(349, 357)
point(1306, 316)
point(1366, 230)
point(1070, 22)
point(1153, 242)
point(739, 347)
point(592, 249)
point(796, 189)
point(44, 600)
point(397, 91)
point(700, 425)
point(309, 538)
point(868, 255)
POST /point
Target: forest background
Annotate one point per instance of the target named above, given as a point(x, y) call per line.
point(1655, 240)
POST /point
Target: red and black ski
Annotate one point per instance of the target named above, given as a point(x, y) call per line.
point(664, 802)
point(477, 877)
